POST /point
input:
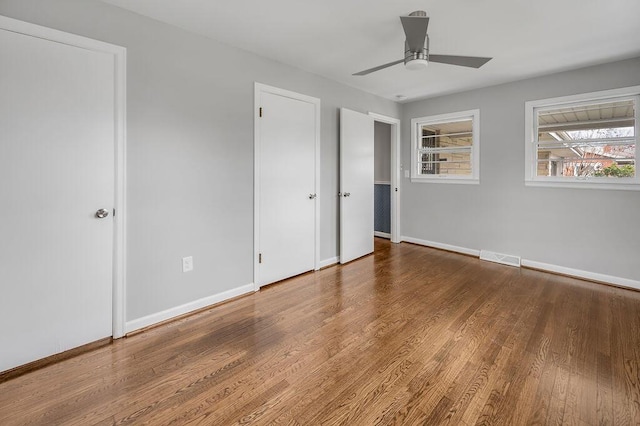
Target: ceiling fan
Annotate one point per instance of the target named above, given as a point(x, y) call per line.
point(416, 48)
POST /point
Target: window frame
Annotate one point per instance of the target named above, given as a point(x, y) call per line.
point(531, 141)
point(416, 133)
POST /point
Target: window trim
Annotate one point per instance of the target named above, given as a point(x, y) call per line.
point(474, 178)
point(531, 143)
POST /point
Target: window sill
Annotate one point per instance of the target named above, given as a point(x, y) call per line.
point(584, 184)
point(465, 181)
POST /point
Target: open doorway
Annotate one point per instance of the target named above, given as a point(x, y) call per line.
point(386, 177)
point(382, 179)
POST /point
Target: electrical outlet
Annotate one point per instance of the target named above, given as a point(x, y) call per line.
point(187, 264)
point(406, 173)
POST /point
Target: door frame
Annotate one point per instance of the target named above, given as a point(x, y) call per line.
point(260, 88)
point(119, 235)
point(395, 172)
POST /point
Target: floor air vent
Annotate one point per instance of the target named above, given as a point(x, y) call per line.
point(505, 259)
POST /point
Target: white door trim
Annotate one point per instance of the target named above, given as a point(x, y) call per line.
point(119, 237)
point(260, 88)
point(395, 172)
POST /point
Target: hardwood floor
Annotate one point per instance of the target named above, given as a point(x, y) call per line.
point(409, 335)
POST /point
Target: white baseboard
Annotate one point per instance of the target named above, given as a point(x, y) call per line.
point(152, 319)
point(382, 234)
point(463, 250)
point(329, 262)
point(593, 276)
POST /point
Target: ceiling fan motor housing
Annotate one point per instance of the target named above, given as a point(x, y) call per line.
point(419, 59)
point(415, 60)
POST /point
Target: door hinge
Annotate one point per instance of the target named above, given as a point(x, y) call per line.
point(114, 212)
point(259, 257)
point(260, 111)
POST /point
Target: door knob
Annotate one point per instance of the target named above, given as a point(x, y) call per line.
point(346, 194)
point(102, 213)
point(312, 196)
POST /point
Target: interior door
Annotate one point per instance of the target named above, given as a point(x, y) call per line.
point(56, 172)
point(356, 185)
point(286, 187)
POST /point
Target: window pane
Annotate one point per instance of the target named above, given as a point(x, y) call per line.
point(585, 160)
point(451, 134)
point(445, 146)
point(449, 163)
point(602, 134)
point(598, 115)
point(588, 140)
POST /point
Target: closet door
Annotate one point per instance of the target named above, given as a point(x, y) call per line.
point(286, 187)
point(57, 173)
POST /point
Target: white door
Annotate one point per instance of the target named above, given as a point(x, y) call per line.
point(356, 185)
point(286, 187)
point(56, 171)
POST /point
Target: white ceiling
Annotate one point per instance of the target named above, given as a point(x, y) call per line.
point(336, 38)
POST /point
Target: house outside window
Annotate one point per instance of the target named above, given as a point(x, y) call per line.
point(584, 141)
point(446, 148)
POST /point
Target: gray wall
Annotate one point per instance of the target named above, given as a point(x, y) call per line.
point(190, 172)
point(382, 152)
point(590, 230)
point(190, 149)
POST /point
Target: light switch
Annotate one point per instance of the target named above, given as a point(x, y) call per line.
point(406, 173)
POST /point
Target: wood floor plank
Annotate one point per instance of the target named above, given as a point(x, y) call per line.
point(408, 335)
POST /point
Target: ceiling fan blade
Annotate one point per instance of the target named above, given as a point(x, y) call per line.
point(464, 61)
point(379, 67)
point(415, 29)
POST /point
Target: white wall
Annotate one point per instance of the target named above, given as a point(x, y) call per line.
point(589, 230)
point(190, 149)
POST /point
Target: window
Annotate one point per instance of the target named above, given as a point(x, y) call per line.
point(586, 141)
point(445, 148)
